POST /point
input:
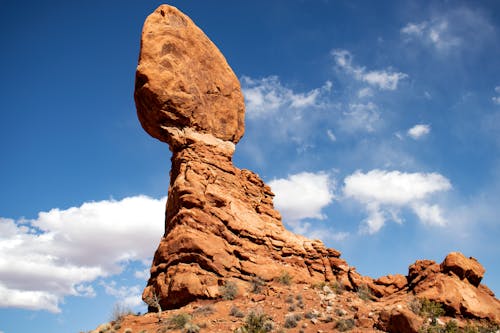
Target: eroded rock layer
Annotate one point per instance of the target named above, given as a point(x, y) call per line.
point(220, 221)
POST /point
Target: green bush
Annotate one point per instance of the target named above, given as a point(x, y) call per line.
point(178, 321)
point(257, 322)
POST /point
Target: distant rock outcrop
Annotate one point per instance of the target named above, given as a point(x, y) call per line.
point(220, 223)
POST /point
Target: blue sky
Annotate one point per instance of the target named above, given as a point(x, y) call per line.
point(377, 124)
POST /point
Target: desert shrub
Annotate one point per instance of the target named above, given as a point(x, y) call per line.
point(431, 309)
point(236, 312)
point(257, 322)
point(190, 328)
point(343, 325)
point(291, 308)
point(204, 310)
point(178, 321)
point(311, 314)
point(291, 320)
point(415, 305)
point(319, 285)
point(285, 278)
point(289, 299)
point(328, 319)
point(365, 293)
point(337, 287)
point(120, 311)
point(229, 291)
point(256, 285)
point(451, 327)
point(127, 330)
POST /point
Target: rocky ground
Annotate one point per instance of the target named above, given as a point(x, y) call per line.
point(297, 307)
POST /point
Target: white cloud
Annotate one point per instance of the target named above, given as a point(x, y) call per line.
point(381, 79)
point(385, 192)
point(429, 214)
point(365, 92)
point(143, 275)
point(303, 195)
point(413, 29)
point(128, 296)
point(61, 251)
point(331, 135)
point(360, 117)
point(267, 95)
point(418, 131)
point(458, 29)
point(496, 99)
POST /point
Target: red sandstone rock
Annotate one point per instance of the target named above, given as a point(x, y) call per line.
point(464, 268)
point(183, 81)
point(400, 321)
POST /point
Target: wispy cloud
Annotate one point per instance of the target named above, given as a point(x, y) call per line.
point(128, 296)
point(360, 117)
point(419, 131)
point(267, 95)
point(496, 99)
point(62, 251)
point(459, 29)
point(381, 79)
point(331, 135)
point(384, 193)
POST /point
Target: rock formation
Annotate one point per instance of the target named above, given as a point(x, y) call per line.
point(220, 222)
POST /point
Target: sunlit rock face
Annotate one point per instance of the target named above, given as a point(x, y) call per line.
point(220, 223)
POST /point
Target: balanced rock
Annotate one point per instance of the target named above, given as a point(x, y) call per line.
point(220, 221)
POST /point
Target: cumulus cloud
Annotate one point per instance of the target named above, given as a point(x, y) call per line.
point(381, 79)
point(63, 250)
point(419, 131)
point(384, 193)
point(267, 95)
point(303, 195)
